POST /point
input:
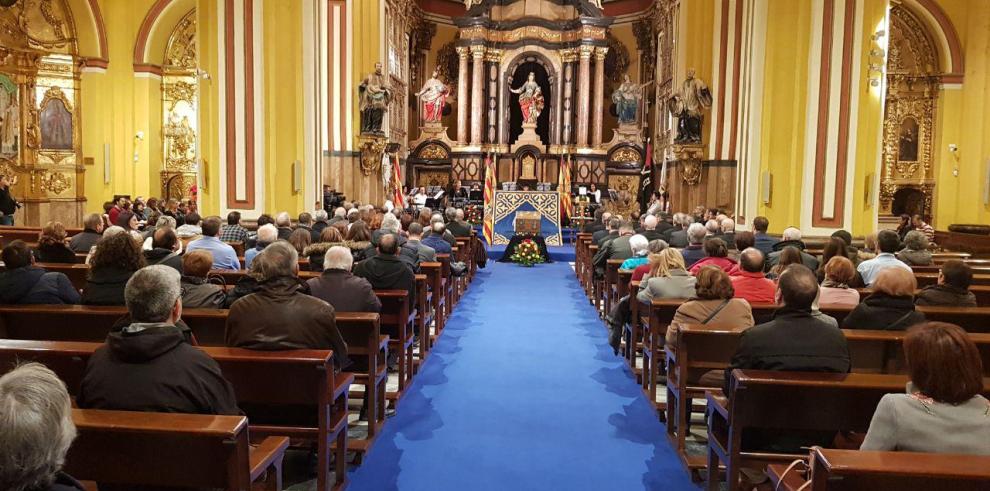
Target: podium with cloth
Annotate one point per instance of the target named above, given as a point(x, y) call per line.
point(536, 212)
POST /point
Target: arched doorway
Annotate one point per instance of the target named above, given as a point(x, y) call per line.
point(908, 176)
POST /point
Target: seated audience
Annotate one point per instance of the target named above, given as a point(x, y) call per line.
point(224, 256)
point(301, 238)
point(851, 252)
point(436, 239)
point(792, 238)
point(785, 258)
point(341, 289)
point(359, 240)
point(748, 280)
point(919, 224)
point(447, 236)
point(279, 315)
point(667, 278)
point(252, 240)
point(164, 249)
point(284, 224)
point(869, 250)
point(305, 222)
point(51, 245)
point(891, 305)
point(650, 228)
point(267, 234)
point(36, 430)
point(596, 224)
point(190, 227)
point(888, 243)
point(943, 410)
point(329, 237)
point(744, 240)
point(320, 223)
point(765, 243)
point(91, 234)
point(833, 247)
point(904, 226)
point(713, 303)
point(389, 225)
point(915, 251)
point(386, 271)
point(654, 247)
point(456, 224)
point(638, 244)
point(835, 288)
point(197, 291)
point(148, 365)
point(727, 232)
point(716, 254)
point(611, 231)
point(26, 284)
point(413, 251)
point(232, 230)
point(952, 289)
point(694, 251)
point(114, 261)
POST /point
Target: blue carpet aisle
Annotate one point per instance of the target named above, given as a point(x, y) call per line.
point(522, 392)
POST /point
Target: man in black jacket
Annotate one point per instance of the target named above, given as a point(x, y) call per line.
point(148, 365)
point(610, 229)
point(164, 249)
point(8, 205)
point(341, 289)
point(91, 234)
point(385, 271)
point(25, 283)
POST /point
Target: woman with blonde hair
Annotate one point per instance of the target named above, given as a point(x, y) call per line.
point(869, 250)
point(51, 245)
point(890, 307)
point(668, 278)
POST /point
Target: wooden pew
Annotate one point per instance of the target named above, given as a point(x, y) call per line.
point(926, 279)
point(854, 470)
point(597, 284)
point(164, 449)
point(435, 280)
point(935, 268)
point(611, 291)
point(424, 317)
point(262, 380)
point(700, 348)
point(802, 401)
point(398, 317)
point(981, 292)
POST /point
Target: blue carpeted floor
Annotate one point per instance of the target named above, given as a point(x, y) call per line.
point(522, 392)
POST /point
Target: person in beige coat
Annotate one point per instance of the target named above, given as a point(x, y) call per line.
point(713, 303)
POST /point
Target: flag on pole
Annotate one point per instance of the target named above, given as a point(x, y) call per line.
point(646, 178)
point(489, 226)
point(564, 188)
point(397, 199)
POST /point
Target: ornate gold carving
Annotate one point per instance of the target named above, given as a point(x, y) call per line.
point(177, 185)
point(600, 53)
point(626, 154)
point(494, 55)
point(478, 51)
point(37, 24)
point(627, 189)
point(568, 55)
point(433, 152)
point(53, 182)
point(528, 167)
point(617, 61)
point(426, 178)
point(538, 33)
point(371, 154)
point(463, 51)
point(585, 51)
point(689, 157)
point(181, 49)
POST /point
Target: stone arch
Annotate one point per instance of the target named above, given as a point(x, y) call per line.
point(555, 101)
point(91, 32)
point(154, 33)
point(944, 35)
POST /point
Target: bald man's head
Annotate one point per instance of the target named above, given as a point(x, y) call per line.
point(751, 260)
point(798, 287)
point(387, 245)
point(164, 238)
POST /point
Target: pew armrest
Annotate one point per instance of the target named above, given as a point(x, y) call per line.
point(266, 453)
point(718, 402)
point(341, 384)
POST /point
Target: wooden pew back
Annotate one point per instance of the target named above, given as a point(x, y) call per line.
point(854, 470)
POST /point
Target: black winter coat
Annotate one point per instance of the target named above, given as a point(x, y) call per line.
point(883, 312)
point(32, 285)
point(105, 286)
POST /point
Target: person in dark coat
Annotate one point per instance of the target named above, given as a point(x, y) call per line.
point(795, 340)
point(952, 289)
point(385, 271)
point(341, 289)
point(792, 238)
point(116, 258)
point(26, 284)
point(280, 315)
point(8, 205)
point(148, 365)
point(91, 234)
point(51, 245)
point(891, 305)
point(650, 231)
point(37, 434)
point(458, 226)
point(197, 292)
point(610, 232)
point(765, 243)
point(164, 249)
point(695, 251)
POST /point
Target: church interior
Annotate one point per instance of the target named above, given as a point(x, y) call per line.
point(594, 208)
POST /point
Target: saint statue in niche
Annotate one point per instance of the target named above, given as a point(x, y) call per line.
point(687, 104)
point(9, 118)
point(56, 126)
point(530, 99)
point(433, 96)
point(907, 144)
point(374, 96)
point(626, 99)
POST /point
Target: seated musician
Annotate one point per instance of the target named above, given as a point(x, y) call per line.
point(36, 430)
point(341, 289)
point(25, 283)
point(279, 315)
point(952, 289)
point(942, 411)
point(795, 340)
point(149, 365)
point(891, 305)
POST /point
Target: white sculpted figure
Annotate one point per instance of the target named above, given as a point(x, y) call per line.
point(433, 95)
point(530, 99)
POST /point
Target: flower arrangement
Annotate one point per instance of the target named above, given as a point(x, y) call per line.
point(527, 254)
point(473, 214)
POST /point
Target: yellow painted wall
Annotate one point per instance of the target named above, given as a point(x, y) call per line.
point(209, 106)
point(784, 102)
point(695, 42)
point(369, 23)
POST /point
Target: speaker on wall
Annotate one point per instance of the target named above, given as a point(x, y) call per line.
point(106, 163)
point(868, 191)
point(766, 183)
point(986, 185)
point(297, 177)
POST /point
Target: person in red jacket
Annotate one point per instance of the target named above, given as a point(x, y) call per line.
point(748, 280)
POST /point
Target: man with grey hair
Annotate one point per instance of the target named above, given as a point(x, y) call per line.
point(650, 231)
point(339, 215)
point(149, 365)
point(36, 430)
point(267, 234)
point(694, 251)
point(677, 236)
point(284, 224)
point(791, 238)
point(319, 223)
point(598, 236)
point(390, 225)
point(457, 226)
point(437, 239)
point(279, 315)
point(414, 251)
point(386, 271)
point(341, 289)
point(91, 234)
point(617, 248)
point(727, 232)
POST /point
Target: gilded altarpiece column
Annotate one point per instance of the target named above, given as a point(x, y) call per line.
point(180, 112)
point(40, 144)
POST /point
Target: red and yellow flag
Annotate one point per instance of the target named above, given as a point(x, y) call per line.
point(489, 226)
point(397, 199)
point(564, 188)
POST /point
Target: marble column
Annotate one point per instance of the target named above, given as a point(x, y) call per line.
point(598, 111)
point(462, 95)
point(584, 94)
point(477, 102)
